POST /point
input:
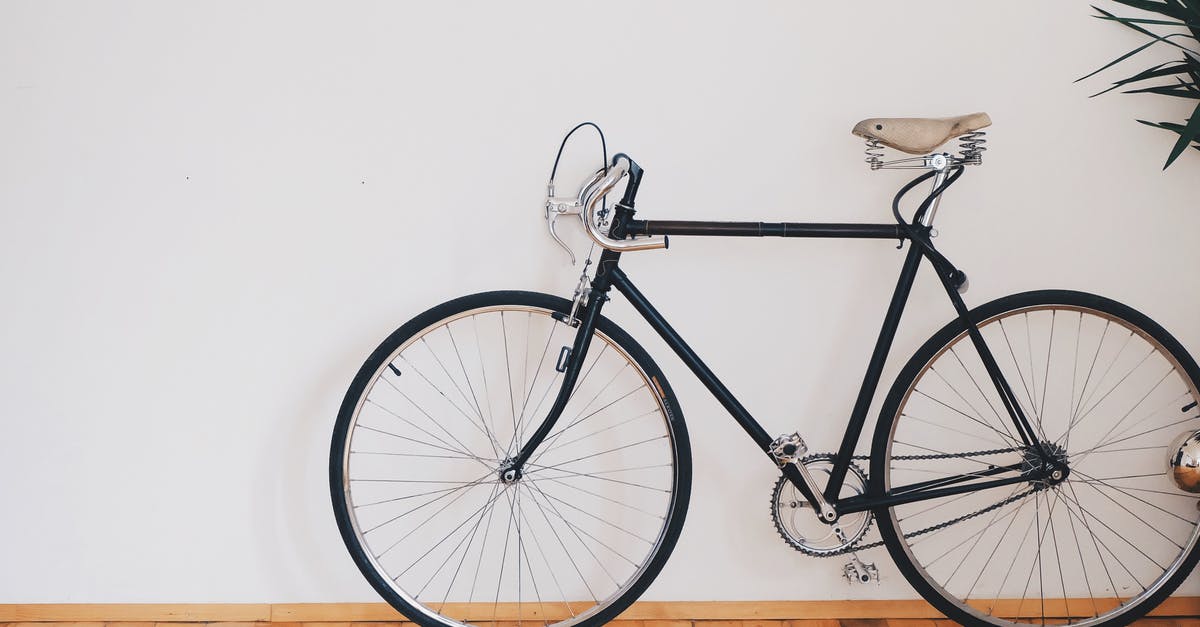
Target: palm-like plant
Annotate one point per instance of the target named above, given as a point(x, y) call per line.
point(1179, 78)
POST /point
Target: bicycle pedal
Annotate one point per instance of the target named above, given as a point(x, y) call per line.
point(858, 571)
point(788, 449)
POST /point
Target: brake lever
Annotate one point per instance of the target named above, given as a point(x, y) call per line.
point(560, 206)
point(557, 206)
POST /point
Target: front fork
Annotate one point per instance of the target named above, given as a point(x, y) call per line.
point(512, 468)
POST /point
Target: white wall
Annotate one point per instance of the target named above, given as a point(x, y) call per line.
point(210, 213)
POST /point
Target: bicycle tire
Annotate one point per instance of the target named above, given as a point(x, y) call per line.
point(1041, 313)
point(584, 613)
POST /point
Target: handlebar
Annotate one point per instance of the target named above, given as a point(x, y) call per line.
point(597, 188)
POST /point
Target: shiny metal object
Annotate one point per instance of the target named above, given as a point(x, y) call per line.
point(591, 197)
point(938, 178)
point(789, 449)
point(971, 149)
point(858, 571)
point(874, 153)
point(562, 206)
point(797, 523)
point(591, 193)
point(1183, 465)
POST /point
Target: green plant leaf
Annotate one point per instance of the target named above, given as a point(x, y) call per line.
point(1164, 69)
point(1184, 10)
point(1192, 86)
point(1193, 6)
point(1154, 39)
point(1161, 8)
point(1170, 126)
point(1118, 60)
point(1167, 90)
point(1134, 20)
point(1186, 137)
point(1125, 21)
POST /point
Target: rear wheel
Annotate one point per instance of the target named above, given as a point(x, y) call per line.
point(430, 420)
point(1106, 390)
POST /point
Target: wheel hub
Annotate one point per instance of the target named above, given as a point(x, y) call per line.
point(1050, 470)
point(509, 472)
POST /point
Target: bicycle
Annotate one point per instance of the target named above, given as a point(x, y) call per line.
point(516, 456)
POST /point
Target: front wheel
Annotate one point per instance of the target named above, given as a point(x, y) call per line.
point(1107, 391)
point(434, 414)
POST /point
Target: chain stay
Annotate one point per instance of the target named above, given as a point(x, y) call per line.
point(953, 521)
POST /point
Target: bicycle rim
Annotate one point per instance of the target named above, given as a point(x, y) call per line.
point(1103, 393)
point(443, 538)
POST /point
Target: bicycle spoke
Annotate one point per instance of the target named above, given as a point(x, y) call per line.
point(975, 536)
point(1091, 369)
point(965, 415)
point(532, 382)
point(604, 452)
point(466, 551)
point(418, 508)
point(449, 535)
point(597, 518)
point(487, 394)
point(1099, 394)
point(512, 403)
point(652, 412)
point(462, 448)
point(1079, 550)
point(1008, 435)
point(462, 454)
point(1094, 482)
point(575, 531)
point(602, 497)
point(1083, 403)
point(979, 389)
point(546, 561)
point(570, 554)
point(991, 556)
point(441, 393)
point(1083, 515)
point(568, 473)
point(1046, 373)
point(1021, 375)
point(463, 368)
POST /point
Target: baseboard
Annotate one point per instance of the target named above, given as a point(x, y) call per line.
point(758, 613)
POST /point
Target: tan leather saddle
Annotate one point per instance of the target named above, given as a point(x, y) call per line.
point(919, 135)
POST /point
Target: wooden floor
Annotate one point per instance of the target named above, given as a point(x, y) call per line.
point(803, 622)
point(1175, 612)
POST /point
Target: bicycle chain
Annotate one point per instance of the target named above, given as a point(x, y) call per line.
point(942, 525)
point(994, 451)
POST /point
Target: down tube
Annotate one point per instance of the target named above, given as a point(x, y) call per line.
point(707, 377)
point(689, 357)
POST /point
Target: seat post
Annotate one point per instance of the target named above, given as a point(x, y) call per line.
point(938, 179)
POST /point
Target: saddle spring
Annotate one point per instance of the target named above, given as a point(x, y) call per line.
point(874, 153)
point(971, 147)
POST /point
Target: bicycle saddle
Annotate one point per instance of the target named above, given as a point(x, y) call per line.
point(919, 135)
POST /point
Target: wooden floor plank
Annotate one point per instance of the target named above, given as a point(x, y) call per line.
point(661, 623)
point(1175, 612)
point(135, 612)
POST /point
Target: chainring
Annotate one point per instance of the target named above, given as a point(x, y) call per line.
point(800, 527)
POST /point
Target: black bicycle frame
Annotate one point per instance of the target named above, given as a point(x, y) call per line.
point(609, 275)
